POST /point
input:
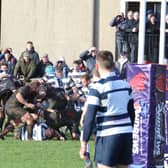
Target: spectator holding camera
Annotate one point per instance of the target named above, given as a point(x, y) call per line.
point(89, 57)
point(119, 23)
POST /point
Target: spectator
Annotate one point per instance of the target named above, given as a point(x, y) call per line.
point(104, 102)
point(25, 67)
point(44, 62)
point(149, 13)
point(4, 71)
point(61, 62)
point(134, 39)
point(121, 65)
point(130, 22)
point(120, 39)
point(10, 60)
point(89, 57)
point(11, 51)
point(31, 50)
point(152, 40)
point(83, 67)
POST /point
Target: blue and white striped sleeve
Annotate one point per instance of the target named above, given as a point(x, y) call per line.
point(93, 104)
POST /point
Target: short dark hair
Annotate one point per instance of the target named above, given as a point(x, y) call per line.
point(86, 76)
point(105, 59)
point(29, 42)
point(34, 84)
point(77, 62)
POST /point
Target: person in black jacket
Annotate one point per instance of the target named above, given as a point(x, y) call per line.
point(89, 57)
point(120, 40)
point(152, 40)
point(122, 64)
point(44, 62)
point(131, 29)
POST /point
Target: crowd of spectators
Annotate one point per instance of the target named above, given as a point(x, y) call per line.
point(74, 80)
point(127, 28)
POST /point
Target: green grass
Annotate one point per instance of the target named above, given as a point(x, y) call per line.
point(44, 154)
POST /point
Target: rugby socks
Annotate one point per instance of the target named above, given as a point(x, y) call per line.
point(1, 123)
point(29, 131)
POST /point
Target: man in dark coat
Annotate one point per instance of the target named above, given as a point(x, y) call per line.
point(131, 29)
point(89, 56)
point(122, 64)
point(44, 62)
point(152, 40)
point(120, 39)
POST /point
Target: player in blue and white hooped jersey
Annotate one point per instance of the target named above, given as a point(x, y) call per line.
point(51, 78)
point(110, 101)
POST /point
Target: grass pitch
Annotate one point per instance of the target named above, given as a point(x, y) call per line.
point(44, 154)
